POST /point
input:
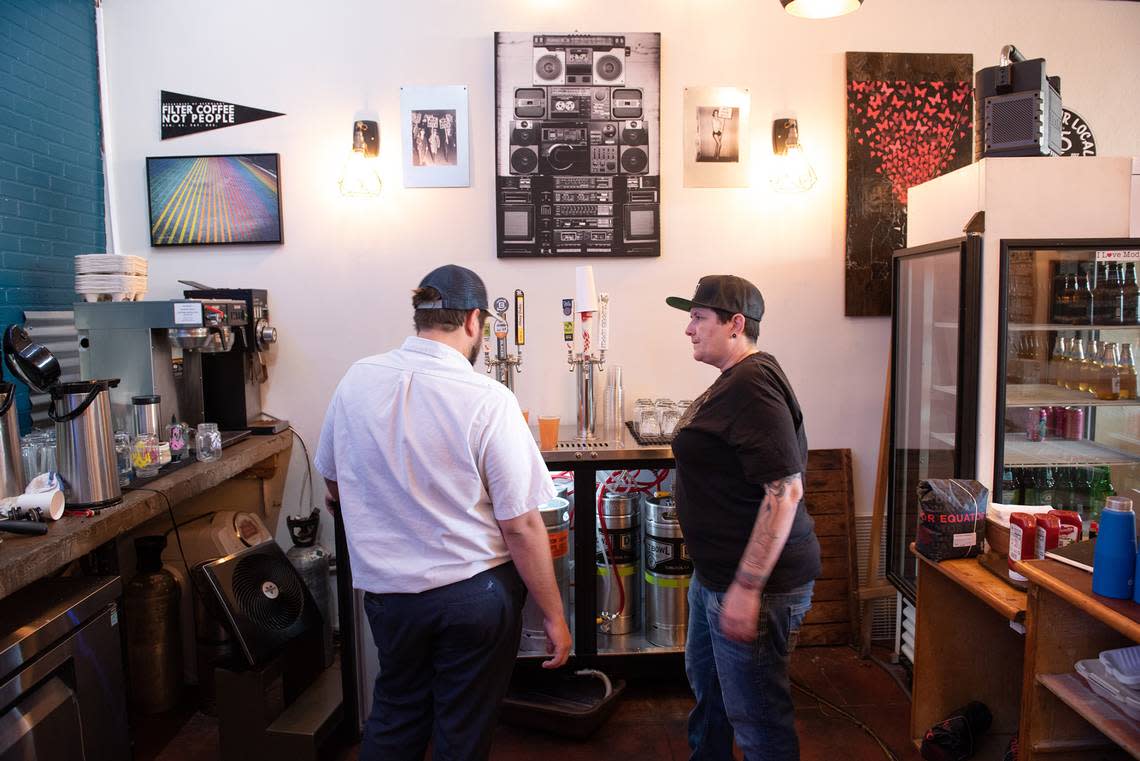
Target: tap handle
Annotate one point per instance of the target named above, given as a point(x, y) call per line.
point(520, 318)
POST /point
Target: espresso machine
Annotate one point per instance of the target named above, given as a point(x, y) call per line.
point(231, 381)
point(157, 348)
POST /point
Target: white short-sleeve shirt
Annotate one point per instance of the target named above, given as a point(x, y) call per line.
point(427, 454)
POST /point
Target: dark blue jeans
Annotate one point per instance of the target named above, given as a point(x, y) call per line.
point(743, 689)
point(446, 657)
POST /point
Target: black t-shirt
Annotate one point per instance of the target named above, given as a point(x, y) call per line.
point(745, 431)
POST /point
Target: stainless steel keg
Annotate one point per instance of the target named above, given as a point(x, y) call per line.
point(556, 517)
point(668, 573)
point(619, 592)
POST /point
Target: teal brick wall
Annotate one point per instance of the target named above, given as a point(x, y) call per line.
point(51, 168)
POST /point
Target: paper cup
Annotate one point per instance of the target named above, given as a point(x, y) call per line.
point(51, 502)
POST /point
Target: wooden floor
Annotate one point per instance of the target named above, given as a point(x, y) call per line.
point(649, 721)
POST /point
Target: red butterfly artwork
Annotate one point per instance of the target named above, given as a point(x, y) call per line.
point(912, 127)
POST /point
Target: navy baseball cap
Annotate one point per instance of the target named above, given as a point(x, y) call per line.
point(730, 293)
point(459, 288)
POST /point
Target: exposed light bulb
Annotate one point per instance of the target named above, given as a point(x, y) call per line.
point(793, 172)
point(360, 177)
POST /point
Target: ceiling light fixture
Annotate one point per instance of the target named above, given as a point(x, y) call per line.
point(820, 8)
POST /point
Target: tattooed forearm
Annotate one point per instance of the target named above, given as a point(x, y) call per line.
point(777, 489)
point(749, 580)
point(769, 533)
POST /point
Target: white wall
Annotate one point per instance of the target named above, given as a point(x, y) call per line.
point(339, 287)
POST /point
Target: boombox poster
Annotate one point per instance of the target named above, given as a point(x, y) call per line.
point(577, 144)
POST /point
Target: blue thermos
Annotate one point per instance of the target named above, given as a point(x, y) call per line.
point(1114, 559)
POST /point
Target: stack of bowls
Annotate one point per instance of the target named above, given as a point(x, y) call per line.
point(110, 277)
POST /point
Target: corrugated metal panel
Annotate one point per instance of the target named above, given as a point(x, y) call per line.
point(56, 331)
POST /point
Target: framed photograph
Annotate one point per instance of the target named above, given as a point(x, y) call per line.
point(214, 200)
point(436, 142)
point(578, 144)
point(717, 137)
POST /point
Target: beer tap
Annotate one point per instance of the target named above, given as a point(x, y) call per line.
point(503, 364)
point(584, 362)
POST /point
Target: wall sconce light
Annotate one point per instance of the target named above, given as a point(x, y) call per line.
point(792, 172)
point(820, 8)
point(361, 174)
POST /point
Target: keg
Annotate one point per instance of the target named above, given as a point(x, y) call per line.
point(618, 590)
point(556, 517)
point(151, 605)
point(668, 572)
point(312, 563)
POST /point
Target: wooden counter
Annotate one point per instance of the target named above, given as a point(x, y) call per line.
point(25, 559)
point(1061, 717)
point(968, 646)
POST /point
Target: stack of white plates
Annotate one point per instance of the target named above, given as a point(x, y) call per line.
point(110, 277)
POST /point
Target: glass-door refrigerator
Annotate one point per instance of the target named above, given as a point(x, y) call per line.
point(934, 384)
point(1068, 423)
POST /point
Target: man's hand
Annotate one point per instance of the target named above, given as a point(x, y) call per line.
point(332, 499)
point(557, 642)
point(740, 613)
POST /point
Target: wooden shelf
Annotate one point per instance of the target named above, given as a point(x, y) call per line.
point(1045, 394)
point(1020, 452)
point(1101, 713)
point(1075, 587)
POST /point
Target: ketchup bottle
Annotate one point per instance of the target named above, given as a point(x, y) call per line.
point(1048, 534)
point(1071, 527)
point(1022, 538)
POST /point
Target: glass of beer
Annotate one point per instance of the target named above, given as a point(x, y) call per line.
point(548, 431)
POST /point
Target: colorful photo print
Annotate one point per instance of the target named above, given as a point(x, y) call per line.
point(214, 200)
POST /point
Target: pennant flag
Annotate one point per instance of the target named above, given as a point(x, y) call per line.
point(188, 114)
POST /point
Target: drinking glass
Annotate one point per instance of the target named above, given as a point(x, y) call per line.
point(209, 442)
point(670, 414)
point(123, 457)
point(648, 424)
point(144, 455)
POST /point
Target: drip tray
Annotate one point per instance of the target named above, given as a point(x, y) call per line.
point(576, 444)
point(569, 705)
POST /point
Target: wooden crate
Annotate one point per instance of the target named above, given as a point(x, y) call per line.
point(828, 491)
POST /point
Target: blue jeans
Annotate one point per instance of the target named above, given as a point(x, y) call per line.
point(743, 689)
point(446, 657)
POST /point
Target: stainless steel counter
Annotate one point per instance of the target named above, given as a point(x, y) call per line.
point(621, 448)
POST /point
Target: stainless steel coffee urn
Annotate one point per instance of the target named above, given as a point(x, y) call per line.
point(85, 443)
point(11, 462)
point(668, 573)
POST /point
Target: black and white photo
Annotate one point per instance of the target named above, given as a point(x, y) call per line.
point(716, 137)
point(435, 133)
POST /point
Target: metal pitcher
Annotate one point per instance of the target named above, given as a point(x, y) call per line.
point(85, 443)
point(11, 462)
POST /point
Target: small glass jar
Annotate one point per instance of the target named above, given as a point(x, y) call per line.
point(144, 455)
point(123, 457)
point(670, 414)
point(176, 435)
point(208, 443)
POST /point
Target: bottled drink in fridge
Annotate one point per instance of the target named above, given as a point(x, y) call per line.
point(1100, 490)
point(1108, 373)
point(1127, 367)
point(1009, 487)
point(1076, 362)
point(1130, 311)
point(1046, 487)
point(1082, 301)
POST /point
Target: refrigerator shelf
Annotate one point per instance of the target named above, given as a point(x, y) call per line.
point(1016, 327)
point(1020, 452)
point(1044, 394)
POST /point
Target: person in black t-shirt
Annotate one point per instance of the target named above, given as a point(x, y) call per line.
point(741, 452)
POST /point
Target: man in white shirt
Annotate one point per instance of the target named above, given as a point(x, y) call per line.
point(438, 480)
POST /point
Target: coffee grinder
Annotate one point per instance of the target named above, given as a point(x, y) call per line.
point(231, 382)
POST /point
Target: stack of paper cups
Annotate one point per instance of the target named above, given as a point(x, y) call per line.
point(585, 293)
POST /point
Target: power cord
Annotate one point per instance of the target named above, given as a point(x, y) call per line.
point(821, 702)
point(308, 475)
